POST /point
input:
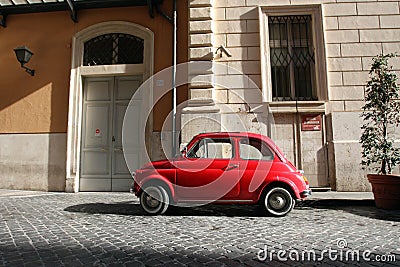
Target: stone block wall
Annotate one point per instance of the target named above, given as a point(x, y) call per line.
point(354, 32)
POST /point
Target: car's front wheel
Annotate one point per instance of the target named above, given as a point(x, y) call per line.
point(154, 200)
point(278, 201)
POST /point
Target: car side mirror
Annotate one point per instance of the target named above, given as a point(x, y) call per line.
point(184, 152)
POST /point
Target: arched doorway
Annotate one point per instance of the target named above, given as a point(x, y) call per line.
point(110, 60)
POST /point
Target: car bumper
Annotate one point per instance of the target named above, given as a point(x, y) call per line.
point(135, 189)
point(305, 193)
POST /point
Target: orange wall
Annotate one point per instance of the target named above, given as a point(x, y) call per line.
point(39, 104)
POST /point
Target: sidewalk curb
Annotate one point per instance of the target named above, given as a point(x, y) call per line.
point(8, 193)
point(315, 203)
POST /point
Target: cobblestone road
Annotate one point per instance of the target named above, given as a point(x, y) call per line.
point(109, 229)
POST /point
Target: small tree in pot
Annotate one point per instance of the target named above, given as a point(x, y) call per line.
point(381, 115)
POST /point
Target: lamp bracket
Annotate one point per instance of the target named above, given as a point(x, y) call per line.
point(28, 70)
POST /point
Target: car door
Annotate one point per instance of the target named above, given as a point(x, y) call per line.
point(208, 172)
point(256, 159)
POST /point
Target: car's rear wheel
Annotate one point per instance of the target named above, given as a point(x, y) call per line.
point(278, 201)
point(154, 200)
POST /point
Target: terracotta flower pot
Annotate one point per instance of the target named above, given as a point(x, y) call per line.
point(386, 189)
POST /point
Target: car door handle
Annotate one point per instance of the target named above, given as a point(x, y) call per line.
point(231, 167)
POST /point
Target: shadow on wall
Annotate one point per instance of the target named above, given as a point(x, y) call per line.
point(33, 109)
point(33, 150)
point(56, 162)
point(322, 166)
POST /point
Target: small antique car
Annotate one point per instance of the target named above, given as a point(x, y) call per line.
point(223, 168)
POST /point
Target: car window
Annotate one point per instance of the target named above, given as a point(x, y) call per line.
point(254, 149)
point(212, 148)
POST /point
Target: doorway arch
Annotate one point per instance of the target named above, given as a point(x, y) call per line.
point(79, 72)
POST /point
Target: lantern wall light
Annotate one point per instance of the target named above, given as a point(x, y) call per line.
point(23, 56)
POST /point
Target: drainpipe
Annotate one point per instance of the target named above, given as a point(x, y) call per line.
point(174, 92)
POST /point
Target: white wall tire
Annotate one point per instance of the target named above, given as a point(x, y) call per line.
point(154, 200)
point(278, 201)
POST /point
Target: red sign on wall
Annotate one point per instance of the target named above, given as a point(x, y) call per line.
point(312, 122)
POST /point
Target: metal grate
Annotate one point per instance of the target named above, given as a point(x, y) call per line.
point(113, 48)
point(292, 58)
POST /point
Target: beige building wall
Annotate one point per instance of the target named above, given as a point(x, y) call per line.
point(353, 32)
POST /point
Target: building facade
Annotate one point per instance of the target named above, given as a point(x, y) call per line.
point(311, 60)
point(61, 128)
point(293, 69)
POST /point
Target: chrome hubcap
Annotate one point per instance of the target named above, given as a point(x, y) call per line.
point(277, 201)
point(151, 201)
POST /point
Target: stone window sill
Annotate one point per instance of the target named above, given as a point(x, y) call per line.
point(297, 107)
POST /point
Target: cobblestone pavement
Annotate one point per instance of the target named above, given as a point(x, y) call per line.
point(109, 229)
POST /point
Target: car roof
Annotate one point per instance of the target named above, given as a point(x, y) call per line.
point(232, 134)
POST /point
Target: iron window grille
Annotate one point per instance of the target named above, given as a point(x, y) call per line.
point(292, 58)
point(113, 48)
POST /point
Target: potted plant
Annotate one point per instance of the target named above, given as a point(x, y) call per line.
point(381, 115)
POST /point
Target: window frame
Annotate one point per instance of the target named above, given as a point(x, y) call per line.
point(115, 38)
point(318, 44)
point(247, 141)
point(198, 143)
point(291, 48)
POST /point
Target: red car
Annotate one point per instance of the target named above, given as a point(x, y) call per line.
point(226, 168)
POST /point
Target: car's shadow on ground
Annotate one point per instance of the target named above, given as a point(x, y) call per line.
point(132, 208)
point(365, 208)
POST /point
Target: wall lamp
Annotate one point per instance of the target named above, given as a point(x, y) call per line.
point(23, 56)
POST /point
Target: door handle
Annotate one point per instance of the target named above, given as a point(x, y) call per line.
point(117, 149)
point(231, 167)
point(104, 149)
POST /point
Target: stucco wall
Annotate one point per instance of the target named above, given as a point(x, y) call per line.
point(33, 161)
point(39, 104)
point(34, 110)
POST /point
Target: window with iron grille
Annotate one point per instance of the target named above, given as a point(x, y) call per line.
point(292, 58)
point(113, 48)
